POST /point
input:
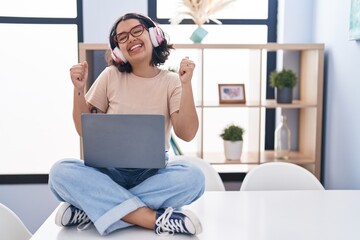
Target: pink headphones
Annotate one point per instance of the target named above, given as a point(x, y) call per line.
point(156, 37)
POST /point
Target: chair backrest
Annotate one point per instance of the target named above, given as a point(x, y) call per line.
point(280, 176)
point(11, 226)
point(213, 181)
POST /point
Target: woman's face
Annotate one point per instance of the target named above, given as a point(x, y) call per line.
point(138, 48)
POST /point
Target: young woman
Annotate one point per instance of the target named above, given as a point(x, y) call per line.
point(133, 83)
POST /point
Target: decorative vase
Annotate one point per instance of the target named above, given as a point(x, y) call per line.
point(284, 95)
point(282, 140)
point(233, 150)
point(198, 35)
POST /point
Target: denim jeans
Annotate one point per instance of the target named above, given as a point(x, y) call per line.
point(107, 195)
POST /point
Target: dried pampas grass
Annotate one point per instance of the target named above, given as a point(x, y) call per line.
point(200, 11)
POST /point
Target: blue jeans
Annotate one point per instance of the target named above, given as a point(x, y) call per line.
point(107, 195)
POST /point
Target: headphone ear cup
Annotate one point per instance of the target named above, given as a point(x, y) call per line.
point(117, 55)
point(156, 36)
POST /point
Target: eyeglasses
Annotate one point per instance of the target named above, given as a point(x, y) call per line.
point(135, 32)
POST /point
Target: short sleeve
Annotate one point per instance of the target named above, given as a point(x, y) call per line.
point(174, 93)
point(97, 94)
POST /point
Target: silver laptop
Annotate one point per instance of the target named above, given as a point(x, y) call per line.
point(123, 140)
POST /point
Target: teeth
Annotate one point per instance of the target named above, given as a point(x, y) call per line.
point(135, 46)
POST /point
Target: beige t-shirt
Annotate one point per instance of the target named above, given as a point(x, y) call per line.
point(116, 92)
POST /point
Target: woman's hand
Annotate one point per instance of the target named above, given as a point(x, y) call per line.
point(79, 75)
point(186, 70)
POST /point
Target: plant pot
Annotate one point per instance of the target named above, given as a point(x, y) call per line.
point(284, 95)
point(233, 150)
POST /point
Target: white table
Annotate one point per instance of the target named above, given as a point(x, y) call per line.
point(265, 215)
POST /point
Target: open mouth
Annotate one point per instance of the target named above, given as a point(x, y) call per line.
point(135, 47)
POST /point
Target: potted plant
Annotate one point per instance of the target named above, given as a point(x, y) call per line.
point(233, 141)
point(283, 81)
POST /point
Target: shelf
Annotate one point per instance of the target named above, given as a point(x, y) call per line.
point(228, 105)
point(266, 46)
point(295, 157)
point(246, 63)
point(252, 158)
point(294, 104)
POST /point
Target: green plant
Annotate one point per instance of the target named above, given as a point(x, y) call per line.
point(232, 133)
point(173, 69)
point(282, 79)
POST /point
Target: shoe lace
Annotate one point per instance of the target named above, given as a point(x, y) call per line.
point(81, 219)
point(166, 226)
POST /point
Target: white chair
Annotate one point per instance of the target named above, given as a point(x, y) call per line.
point(280, 176)
point(213, 181)
point(11, 226)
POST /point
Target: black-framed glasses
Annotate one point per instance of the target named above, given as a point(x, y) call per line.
point(135, 32)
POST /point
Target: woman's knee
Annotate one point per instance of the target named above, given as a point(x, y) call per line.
point(63, 168)
point(193, 177)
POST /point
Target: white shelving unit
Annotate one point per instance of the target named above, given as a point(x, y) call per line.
point(246, 63)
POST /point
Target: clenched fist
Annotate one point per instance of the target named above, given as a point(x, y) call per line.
point(186, 70)
point(79, 75)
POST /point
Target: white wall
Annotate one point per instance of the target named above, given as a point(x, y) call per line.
point(295, 21)
point(342, 98)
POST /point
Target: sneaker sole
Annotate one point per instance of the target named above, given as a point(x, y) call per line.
point(59, 214)
point(194, 219)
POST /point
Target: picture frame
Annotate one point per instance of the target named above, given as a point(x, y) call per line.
point(232, 93)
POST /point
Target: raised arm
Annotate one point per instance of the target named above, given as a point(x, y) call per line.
point(185, 121)
point(79, 77)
